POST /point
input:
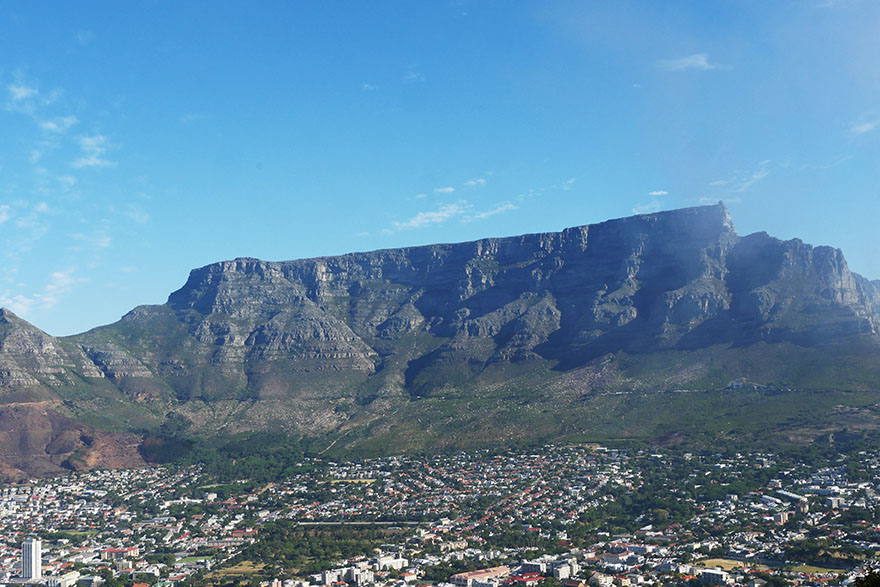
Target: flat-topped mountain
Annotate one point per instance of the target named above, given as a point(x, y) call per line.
point(467, 343)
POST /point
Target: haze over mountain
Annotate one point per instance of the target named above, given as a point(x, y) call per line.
point(582, 333)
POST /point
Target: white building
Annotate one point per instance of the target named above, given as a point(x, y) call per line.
point(31, 559)
point(65, 580)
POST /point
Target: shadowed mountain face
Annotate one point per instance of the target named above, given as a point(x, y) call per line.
point(334, 345)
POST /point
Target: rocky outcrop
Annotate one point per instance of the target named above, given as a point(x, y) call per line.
point(640, 284)
point(332, 343)
point(34, 363)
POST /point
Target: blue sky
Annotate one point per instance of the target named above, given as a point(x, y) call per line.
point(141, 140)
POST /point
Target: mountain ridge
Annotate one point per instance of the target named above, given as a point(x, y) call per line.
point(358, 346)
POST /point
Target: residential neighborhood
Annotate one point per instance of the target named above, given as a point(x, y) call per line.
point(562, 515)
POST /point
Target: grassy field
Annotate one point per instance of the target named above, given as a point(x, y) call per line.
point(811, 569)
point(726, 564)
point(192, 559)
point(242, 569)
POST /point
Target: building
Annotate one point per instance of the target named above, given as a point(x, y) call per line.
point(66, 580)
point(467, 579)
point(31, 559)
point(715, 577)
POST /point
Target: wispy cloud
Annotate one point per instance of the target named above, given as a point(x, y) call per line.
point(21, 92)
point(414, 76)
point(830, 164)
point(647, 208)
point(738, 183)
point(438, 216)
point(18, 303)
point(26, 97)
point(84, 37)
point(444, 190)
point(460, 210)
point(695, 62)
point(746, 182)
point(653, 205)
point(93, 148)
point(191, 117)
point(499, 209)
point(58, 125)
point(569, 183)
point(863, 127)
point(368, 87)
point(137, 214)
point(476, 182)
point(4, 213)
point(59, 284)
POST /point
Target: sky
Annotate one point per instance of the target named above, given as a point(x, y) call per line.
point(141, 140)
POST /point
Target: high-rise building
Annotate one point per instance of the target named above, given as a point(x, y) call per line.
point(31, 559)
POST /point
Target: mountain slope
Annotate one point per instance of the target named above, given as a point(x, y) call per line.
point(417, 342)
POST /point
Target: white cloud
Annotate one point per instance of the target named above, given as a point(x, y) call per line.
point(93, 243)
point(752, 179)
point(697, 62)
point(67, 180)
point(839, 160)
point(21, 92)
point(499, 209)
point(741, 182)
point(93, 148)
point(41, 208)
point(569, 183)
point(4, 213)
point(58, 125)
point(60, 284)
point(137, 214)
point(862, 128)
point(413, 76)
point(654, 205)
point(92, 161)
point(18, 303)
point(191, 117)
point(446, 190)
point(648, 208)
point(438, 216)
point(368, 87)
point(477, 181)
point(84, 37)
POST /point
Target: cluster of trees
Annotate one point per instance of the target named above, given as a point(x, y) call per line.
point(310, 549)
point(507, 536)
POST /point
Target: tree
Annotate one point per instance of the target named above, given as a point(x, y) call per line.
point(872, 579)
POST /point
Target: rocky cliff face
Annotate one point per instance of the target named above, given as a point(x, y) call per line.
point(319, 345)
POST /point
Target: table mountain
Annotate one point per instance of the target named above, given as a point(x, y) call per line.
point(402, 347)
